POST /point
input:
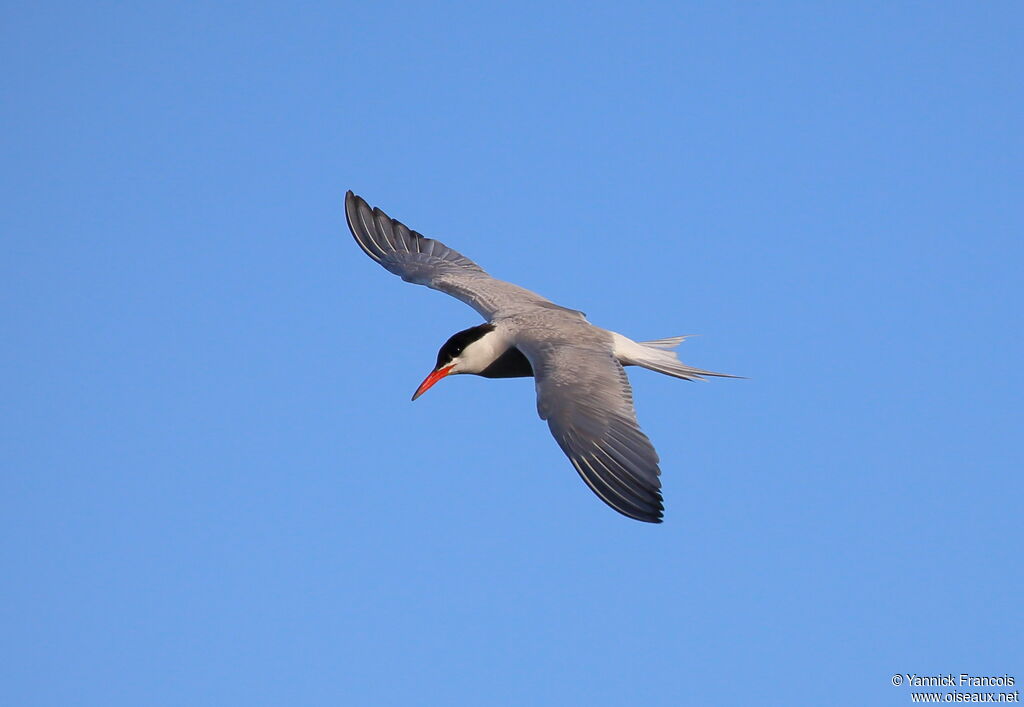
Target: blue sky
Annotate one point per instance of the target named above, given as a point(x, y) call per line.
point(216, 491)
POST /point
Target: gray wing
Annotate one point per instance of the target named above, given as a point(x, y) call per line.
point(585, 396)
point(425, 261)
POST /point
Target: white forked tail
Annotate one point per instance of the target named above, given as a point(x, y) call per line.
point(657, 355)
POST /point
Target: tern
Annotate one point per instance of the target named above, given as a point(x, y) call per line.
point(582, 388)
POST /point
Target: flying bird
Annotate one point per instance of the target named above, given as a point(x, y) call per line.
point(582, 388)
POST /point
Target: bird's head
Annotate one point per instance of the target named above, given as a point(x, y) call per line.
point(469, 351)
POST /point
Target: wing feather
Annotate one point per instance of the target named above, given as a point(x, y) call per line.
point(426, 261)
point(585, 396)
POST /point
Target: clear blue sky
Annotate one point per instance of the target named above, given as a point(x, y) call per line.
point(215, 490)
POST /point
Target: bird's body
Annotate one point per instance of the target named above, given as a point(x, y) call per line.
point(582, 389)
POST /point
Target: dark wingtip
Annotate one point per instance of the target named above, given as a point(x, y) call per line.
point(360, 231)
point(657, 510)
point(351, 201)
point(351, 204)
point(655, 517)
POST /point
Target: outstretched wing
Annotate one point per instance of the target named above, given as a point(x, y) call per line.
point(425, 261)
point(584, 394)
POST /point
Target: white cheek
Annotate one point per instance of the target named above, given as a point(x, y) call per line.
point(474, 359)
